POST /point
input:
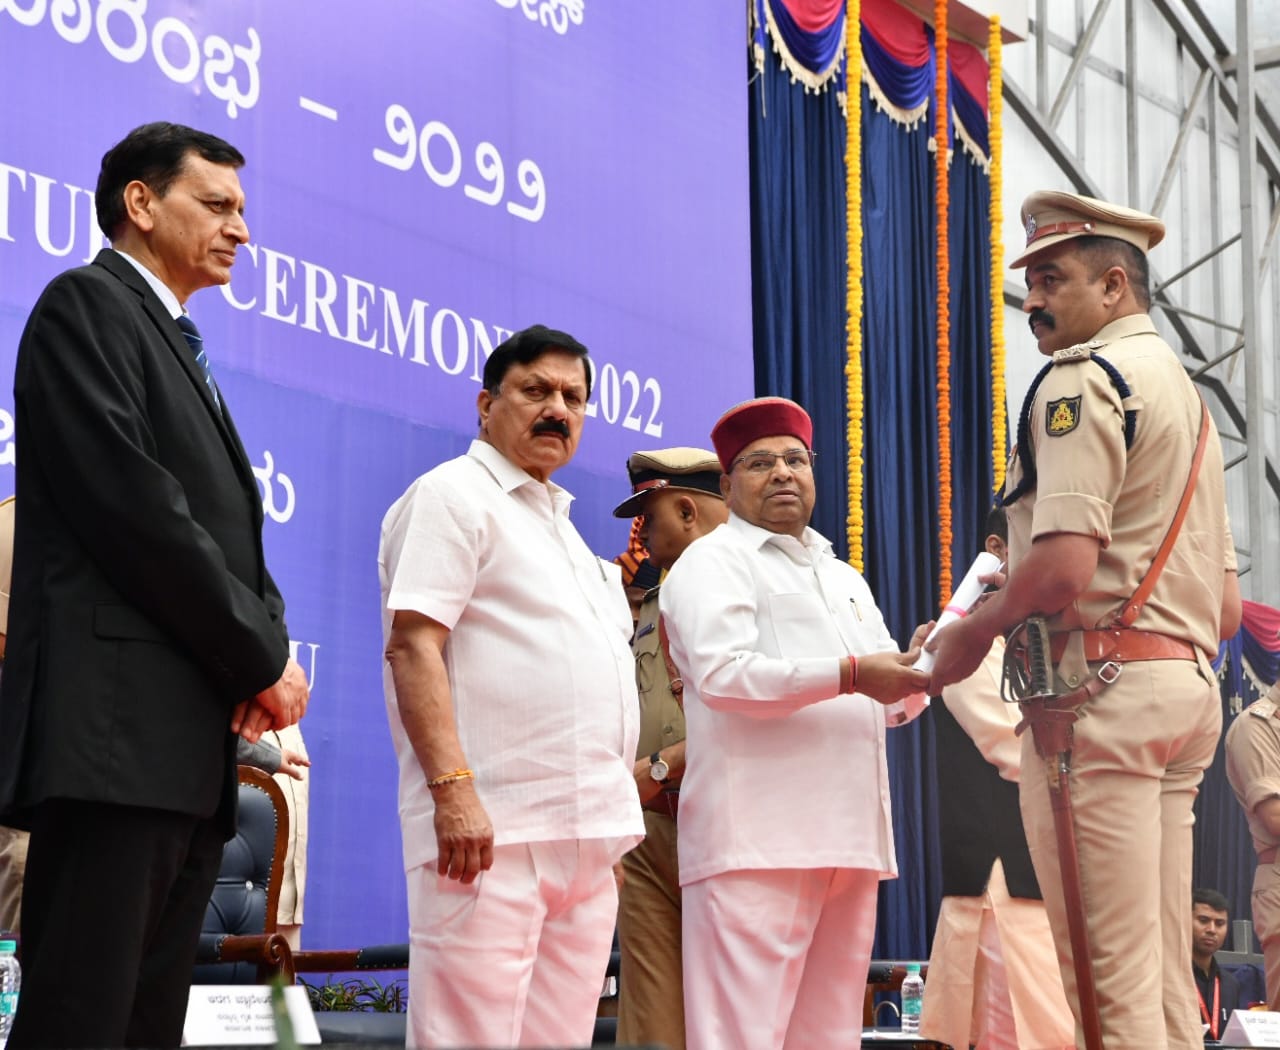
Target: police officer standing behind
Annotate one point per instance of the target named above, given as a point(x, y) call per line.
point(1106, 446)
point(1253, 770)
point(677, 491)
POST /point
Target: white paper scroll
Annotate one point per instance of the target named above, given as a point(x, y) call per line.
point(962, 600)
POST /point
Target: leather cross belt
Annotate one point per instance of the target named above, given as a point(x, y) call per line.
point(665, 802)
point(1124, 645)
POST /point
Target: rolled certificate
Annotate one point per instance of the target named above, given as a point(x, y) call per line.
point(962, 600)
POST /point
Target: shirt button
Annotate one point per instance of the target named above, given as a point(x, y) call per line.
point(1073, 679)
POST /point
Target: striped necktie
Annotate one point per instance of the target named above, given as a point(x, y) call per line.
point(194, 341)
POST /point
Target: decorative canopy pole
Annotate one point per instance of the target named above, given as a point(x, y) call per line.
point(853, 290)
point(942, 149)
point(995, 108)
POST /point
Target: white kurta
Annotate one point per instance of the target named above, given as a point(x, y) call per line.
point(781, 772)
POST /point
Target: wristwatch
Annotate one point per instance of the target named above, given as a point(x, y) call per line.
point(658, 769)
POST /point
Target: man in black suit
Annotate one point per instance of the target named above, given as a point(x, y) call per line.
point(146, 630)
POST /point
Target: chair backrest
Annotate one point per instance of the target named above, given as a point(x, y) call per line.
point(247, 892)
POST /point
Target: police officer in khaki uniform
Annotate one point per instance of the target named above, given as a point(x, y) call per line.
point(1253, 768)
point(1106, 442)
point(677, 491)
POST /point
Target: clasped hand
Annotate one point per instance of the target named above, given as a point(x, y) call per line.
point(280, 704)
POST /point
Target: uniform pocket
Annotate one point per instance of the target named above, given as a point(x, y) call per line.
point(802, 626)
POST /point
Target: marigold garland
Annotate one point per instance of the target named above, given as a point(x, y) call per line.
point(995, 117)
point(942, 112)
point(853, 288)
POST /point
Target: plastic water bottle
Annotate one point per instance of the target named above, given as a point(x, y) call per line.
point(912, 999)
point(10, 983)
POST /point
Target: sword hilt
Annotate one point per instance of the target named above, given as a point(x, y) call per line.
point(1039, 662)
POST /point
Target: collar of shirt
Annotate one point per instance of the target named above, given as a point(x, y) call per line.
point(1213, 969)
point(810, 543)
point(1123, 327)
point(510, 477)
point(158, 286)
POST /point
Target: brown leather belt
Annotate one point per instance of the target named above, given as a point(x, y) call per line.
point(665, 802)
point(1124, 645)
point(1267, 856)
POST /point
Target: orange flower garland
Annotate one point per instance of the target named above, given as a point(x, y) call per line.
point(853, 288)
point(942, 112)
point(995, 109)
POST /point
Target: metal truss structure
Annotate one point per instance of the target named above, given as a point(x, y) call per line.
point(1143, 102)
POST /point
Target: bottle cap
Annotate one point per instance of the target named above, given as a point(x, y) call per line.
point(9, 946)
point(913, 967)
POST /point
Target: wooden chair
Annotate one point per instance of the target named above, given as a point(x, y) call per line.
point(239, 943)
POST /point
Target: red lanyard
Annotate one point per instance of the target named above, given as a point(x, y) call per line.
point(1212, 1022)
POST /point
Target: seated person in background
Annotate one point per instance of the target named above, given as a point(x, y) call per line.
point(13, 843)
point(297, 793)
point(1218, 992)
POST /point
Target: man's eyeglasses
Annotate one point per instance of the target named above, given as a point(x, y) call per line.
point(798, 460)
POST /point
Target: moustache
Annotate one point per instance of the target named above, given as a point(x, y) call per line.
point(551, 426)
point(1041, 317)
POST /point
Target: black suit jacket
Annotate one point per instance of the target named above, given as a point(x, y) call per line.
point(141, 608)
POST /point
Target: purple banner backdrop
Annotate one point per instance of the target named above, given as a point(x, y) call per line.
point(422, 179)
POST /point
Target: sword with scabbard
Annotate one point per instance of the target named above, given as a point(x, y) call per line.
point(1028, 675)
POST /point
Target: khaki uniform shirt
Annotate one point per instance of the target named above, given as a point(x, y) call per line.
point(661, 717)
point(1253, 761)
point(1088, 484)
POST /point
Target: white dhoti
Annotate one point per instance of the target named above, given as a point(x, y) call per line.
point(993, 975)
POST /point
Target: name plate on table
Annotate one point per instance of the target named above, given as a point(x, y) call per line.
point(242, 1015)
point(1252, 1028)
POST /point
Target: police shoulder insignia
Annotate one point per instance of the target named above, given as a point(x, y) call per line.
point(1262, 708)
point(1062, 416)
point(1079, 352)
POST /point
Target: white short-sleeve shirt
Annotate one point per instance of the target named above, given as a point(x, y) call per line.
point(538, 660)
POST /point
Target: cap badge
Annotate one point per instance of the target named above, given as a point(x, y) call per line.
point(1031, 228)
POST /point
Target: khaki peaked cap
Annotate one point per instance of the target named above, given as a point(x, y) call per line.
point(1053, 216)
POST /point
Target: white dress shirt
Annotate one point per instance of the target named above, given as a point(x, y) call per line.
point(781, 770)
point(538, 660)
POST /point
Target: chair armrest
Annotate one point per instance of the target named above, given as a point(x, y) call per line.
point(270, 951)
point(371, 957)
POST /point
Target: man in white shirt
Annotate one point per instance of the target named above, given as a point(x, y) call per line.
point(790, 678)
point(511, 696)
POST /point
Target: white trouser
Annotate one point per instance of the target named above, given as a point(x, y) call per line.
point(777, 958)
point(518, 957)
point(993, 975)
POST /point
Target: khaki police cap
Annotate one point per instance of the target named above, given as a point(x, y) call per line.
point(691, 469)
point(1053, 216)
